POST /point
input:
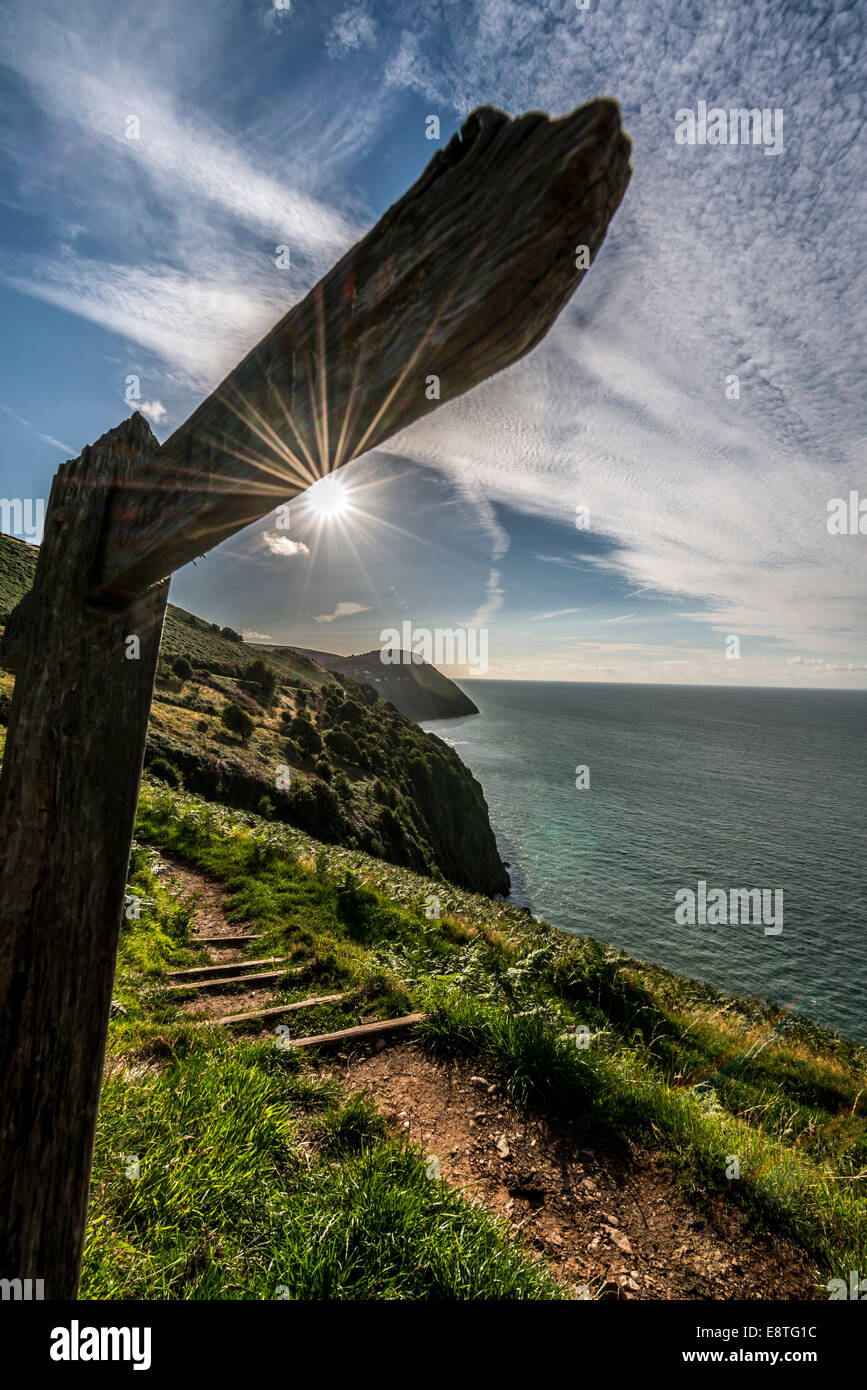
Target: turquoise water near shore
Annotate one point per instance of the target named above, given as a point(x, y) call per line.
point(739, 788)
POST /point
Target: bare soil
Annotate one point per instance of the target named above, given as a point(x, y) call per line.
point(618, 1225)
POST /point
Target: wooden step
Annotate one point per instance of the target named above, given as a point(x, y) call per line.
point(208, 971)
point(252, 981)
point(224, 940)
point(278, 1011)
point(363, 1033)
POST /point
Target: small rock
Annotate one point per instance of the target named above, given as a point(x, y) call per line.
point(619, 1239)
point(479, 1081)
point(627, 1282)
point(502, 1147)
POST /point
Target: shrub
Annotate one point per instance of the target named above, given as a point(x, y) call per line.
point(350, 713)
point(165, 771)
point(237, 721)
point(306, 737)
point(263, 678)
point(182, 668)
point(344, 745)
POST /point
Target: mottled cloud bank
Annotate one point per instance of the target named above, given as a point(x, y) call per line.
point(721, 261)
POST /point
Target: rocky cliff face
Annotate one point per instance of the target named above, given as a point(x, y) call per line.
point(418, 689)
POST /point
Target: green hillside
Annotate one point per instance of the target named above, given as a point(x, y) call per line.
point(311, 747)
point(300, 1181)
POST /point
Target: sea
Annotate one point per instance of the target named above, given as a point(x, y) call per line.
point(613, 804)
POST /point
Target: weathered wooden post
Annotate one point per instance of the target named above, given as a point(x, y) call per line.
point(69, 788)
point(459, 278)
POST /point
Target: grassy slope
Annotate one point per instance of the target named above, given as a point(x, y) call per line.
point(673, 1063)
point(402, 794)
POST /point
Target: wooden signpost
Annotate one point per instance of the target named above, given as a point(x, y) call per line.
point(462, 276)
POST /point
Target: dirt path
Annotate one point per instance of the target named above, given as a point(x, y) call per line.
point(209, 919)
point(619, 1225)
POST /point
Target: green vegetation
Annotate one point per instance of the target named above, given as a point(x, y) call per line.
point(228, 1169)
point(220, 722)
point(237, 721)
point(669, 1063)
point(258, 1177)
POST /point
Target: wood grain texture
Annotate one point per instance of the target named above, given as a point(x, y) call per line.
point(363, 1033)
point(458, 279)
point(68, 794)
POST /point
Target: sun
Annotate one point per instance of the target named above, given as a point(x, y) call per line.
point(329, 499)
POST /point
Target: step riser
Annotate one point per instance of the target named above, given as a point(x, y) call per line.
point(366, 1032)
point(263, 1015)
point(212, 971)
point(223, 940)
point(249, 981)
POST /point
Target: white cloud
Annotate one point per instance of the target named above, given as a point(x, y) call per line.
point(278, 544)
point(353, 28)
point(558, 613)
point(154, 411)
point(493, 601)
point(343, 610)
point(67, 449)
point(251, 636)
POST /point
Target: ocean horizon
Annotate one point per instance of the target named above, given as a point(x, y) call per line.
point(719, 832)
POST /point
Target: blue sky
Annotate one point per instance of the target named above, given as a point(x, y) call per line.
point(261, 126)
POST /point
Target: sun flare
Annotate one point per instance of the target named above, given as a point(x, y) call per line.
point(329, 499)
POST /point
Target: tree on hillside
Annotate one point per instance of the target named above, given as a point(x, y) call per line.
point(306, 737)
point(350, 712)
point(182, 669)
point(237, 721)
point(263, 678)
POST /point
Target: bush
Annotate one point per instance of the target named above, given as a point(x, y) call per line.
point(263, 678)
point(344, 745)
point(230, 634)
point(350, 713)
point(323, 770)
point(165, 771)
point(306, 737)
point(237, 722)
point(316, 809)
